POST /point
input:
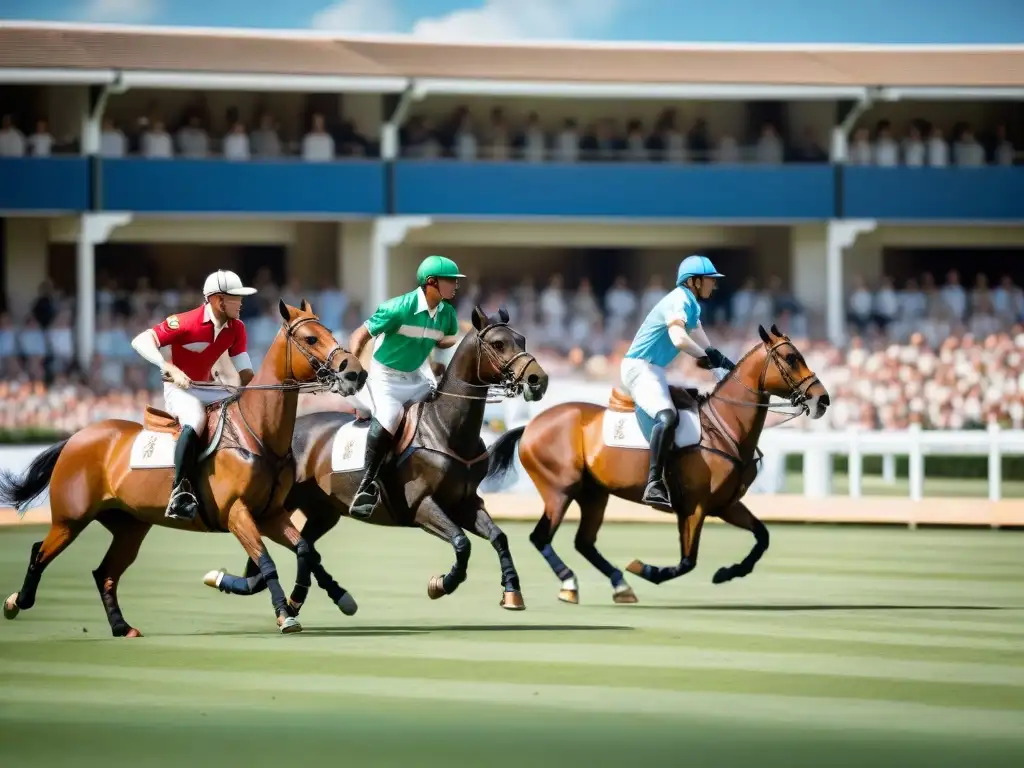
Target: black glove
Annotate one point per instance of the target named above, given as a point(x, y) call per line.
point(718, 360)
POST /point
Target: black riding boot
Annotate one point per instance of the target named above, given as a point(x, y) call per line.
point(183, 504)
point(378, 443)
point(662, 435)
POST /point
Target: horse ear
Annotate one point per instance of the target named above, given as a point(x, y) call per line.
point(503, 314)
point(306, 307)
point(479, 318)
point(285, 312)
point(764, 335)
point(776, 331)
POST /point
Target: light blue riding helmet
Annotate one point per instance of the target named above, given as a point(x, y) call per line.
point(696, 266)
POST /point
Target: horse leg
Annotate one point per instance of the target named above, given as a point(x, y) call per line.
point(62, 532)
point(128, 533)
point(593, 501)
point(322, 513)
point(556, 503)
point(690, 526)
point(241, 524)
point(740, 516)
point(284, 532)
point(431, 518)
point(484, 526)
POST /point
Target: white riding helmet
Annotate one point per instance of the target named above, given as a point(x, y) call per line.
point(225, 281)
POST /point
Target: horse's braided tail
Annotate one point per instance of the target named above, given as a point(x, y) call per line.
point(503, 453)
point(17, 491)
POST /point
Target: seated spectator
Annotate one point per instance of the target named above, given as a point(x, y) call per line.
point(12, 141)
point(318, 144)
point(156, 142)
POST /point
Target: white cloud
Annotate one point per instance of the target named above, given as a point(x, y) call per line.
point(493, 20)
point(520, 20)
point(359, 16)
point(122, 11)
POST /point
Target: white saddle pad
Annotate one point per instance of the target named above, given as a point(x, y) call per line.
point(622, 430)
point(152, 450)
point(348, 452)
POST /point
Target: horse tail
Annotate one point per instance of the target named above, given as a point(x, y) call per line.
point(502, 453)
point(17, 491)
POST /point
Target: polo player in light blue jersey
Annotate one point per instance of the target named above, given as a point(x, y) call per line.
point(671, 327)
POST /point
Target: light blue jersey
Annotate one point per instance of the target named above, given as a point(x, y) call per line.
point(652, 342)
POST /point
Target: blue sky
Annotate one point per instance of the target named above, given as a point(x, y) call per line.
point(864, 21)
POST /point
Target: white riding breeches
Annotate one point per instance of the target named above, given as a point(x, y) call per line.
point(188, 406)
point(647, 385)
point(387, 391)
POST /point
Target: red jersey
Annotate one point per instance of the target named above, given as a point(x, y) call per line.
point(196, 345)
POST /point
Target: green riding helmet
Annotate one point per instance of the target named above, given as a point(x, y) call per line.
point(437, 266)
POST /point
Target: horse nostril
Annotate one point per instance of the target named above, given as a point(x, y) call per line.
point(362, 378)
point(823, 400)
point(351, 376)
point(533, 379)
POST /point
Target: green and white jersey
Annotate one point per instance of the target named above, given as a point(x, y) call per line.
point(411, 330)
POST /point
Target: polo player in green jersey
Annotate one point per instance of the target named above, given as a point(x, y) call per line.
point(411, 325)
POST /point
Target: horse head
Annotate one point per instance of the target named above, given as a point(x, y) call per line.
point(319, 357)
point(497, 356)
point(784, 373)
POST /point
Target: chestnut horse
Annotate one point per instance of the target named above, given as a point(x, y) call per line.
point(581, 452)
point(438, 463)
point(107, 471)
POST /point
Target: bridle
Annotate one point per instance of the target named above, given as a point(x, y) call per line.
point(798, 390)
point(327, 378)
point(510, 380)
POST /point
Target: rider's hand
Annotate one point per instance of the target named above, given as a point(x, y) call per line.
point(718, 360)
point(177, 376)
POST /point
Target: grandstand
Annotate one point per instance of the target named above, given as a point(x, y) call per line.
point(864, 198)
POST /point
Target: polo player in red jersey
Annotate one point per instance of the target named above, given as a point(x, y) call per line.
point(185, 348)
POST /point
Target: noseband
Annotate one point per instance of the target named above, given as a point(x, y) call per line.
point(798, 390)
point(326, 377)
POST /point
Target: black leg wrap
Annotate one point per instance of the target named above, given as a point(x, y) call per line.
point(269, 572)
point(34, 572)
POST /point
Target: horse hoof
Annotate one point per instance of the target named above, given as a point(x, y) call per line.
point(513, 601)
point(213, 578)
point(289, 625)
point(625, 596)
point(571, 596)
point(721, 576)
point(11, 609)
point(347, 604)
point(133, 632)
point(636, 568)
point(435, 588)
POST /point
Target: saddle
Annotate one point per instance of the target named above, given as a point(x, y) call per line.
point(156, 420)
point(684, 399)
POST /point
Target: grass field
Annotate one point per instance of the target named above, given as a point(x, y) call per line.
point(847, 647)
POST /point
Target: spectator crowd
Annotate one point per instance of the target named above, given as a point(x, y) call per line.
point(942, 356)
point(463, 136)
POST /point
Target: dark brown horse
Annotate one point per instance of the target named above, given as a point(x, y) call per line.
point(438, 462)
point(585, 453)
point(116, 472)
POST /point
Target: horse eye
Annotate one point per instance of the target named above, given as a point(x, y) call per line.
point(311, 340)
point(500, 346)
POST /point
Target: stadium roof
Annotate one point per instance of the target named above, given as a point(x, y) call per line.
point(79, 47)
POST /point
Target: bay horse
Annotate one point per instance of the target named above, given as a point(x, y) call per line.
point(585, 453)
point(436, 467)
point(119, 472)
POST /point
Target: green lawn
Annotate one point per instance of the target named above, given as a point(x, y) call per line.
point(846, 647)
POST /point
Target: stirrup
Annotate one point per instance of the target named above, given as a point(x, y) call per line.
point(183, 504)
point(656, 494)
point(365, 501)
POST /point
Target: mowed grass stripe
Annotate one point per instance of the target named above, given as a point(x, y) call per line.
point(96, 684)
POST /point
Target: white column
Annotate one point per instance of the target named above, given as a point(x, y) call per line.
point(94, 228)
point(995, 464)
point(840, 234)
point(818, 472)
point(388, 231)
